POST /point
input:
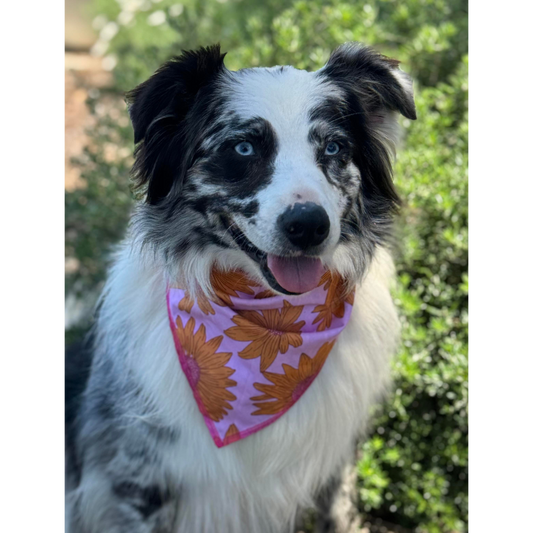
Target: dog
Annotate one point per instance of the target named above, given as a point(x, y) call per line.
point(276, 173)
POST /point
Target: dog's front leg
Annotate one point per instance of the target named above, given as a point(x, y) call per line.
point(102, 505)
point(336, 504)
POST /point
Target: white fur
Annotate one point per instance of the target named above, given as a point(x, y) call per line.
point(256, 484)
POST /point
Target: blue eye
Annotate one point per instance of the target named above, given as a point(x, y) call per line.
point(332, 148)
point(244, 148)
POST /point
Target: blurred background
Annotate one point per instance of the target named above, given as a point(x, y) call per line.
point(412, 469)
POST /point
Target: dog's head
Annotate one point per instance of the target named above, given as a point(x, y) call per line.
point(276, 170)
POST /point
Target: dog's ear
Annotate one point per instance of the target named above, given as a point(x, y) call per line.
point(374, 78)
point(159, 109)
point(374, 91)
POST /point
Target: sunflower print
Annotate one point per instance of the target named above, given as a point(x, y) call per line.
point(287, 388)
point(264, 294)
point(186, 304)
point(335, 300)
point(227, 284)
point(271, 332)
point(232, 435)
point(207, 368)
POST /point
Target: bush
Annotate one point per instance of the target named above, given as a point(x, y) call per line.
point(415, 464)
point(412, 470)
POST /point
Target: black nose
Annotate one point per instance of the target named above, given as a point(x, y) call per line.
point(305, 225)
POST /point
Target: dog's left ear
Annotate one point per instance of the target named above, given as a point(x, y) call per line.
point(375, 79)
point(160, 111)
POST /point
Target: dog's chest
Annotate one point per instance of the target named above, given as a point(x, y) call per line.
point(279, 468)
point(329, 399)
point(276, 469)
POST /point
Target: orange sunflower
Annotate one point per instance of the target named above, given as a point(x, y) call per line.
point(227, 284)
point(288, 387)
point(264, 294)
point(335, 299)
point(271, 331)
point(231, 435)
point(207, 368)
point(204, 304)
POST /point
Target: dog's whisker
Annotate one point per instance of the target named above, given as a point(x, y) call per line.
point(233, 224)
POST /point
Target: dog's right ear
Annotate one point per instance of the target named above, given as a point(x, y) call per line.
point(158, 109)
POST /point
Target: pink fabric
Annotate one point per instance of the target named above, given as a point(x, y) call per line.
point(249, 356)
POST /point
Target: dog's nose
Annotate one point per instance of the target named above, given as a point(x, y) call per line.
point(305, 225)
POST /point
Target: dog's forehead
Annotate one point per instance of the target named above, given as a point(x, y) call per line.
point(285, 96)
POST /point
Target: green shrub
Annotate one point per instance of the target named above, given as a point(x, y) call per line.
point(412, 470)
point(415, 464)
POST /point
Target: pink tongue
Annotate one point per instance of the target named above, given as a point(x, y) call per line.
point(296, 274)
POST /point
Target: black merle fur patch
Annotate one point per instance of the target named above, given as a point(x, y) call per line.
point(345, 122)
point(365, 71)
point(250, 209)
point(147, 500)
point(167, 112)
point(78, 361)
point(243, 176)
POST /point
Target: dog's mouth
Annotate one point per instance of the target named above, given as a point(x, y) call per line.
point(288, 275)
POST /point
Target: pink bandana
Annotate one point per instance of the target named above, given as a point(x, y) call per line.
point(249, 355)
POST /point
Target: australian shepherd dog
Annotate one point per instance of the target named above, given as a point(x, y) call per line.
point(269, 172)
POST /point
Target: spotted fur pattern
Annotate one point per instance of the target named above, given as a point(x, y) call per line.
point(140, 459)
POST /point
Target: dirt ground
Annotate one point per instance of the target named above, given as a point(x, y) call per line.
point(379, 526)
point(83, 73)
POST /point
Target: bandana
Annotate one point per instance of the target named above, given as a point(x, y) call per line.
point(250, 354)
